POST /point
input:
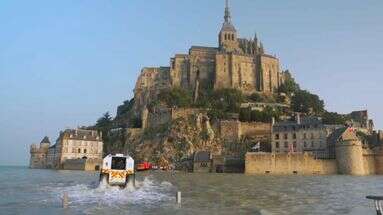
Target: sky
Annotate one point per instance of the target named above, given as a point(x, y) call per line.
point(65, 63)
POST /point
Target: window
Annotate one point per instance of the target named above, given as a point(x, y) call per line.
point(286, 136)
point(277, 145)
point(277, 136)
point(304, 136)
point(118, 163)
point(73, 150)
point(84, 150)
point(79, 150)
point(295, 145)
point(312, 136)
point(225, 36)
point(305, 144)
point(232, 37)
point(294, 136)
point(312, 144)
point(286, 145)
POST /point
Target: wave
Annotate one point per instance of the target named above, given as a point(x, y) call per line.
point(146, 192)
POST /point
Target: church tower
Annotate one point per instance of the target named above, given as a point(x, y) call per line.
point(228, 40)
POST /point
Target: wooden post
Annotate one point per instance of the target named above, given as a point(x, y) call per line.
point(65, 201)
point(179, 197)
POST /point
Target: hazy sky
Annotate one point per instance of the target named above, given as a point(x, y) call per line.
point(65, 63)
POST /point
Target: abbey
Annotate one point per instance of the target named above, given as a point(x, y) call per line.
point(236, 63)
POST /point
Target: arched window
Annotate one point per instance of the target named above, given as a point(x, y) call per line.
point(232, 37)
point(84, 150)
point(79, 150)
point(225, 36)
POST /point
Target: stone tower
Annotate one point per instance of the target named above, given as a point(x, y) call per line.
point(227, 38)
point(39, 154)
point(349, 153)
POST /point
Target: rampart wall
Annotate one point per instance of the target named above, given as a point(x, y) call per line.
point(288, 164)
point(82, 164)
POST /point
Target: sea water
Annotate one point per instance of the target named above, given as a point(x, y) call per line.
point(30, 191)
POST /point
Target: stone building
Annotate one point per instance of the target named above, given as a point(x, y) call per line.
point(39, 154)
point(307, 134)
point(360, 120)
point(202, 161)
point(235, 63)
point(235, 131)
point(351, 158)
point(74, 149)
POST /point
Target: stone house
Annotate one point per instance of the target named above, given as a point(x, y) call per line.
point(202, 162)
point(307, 134)
point(73, 145)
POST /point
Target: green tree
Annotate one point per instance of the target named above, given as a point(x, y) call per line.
point(105, 121)
point(125, 108)
point(225, 101)
point(305, 102)
point(176, 97)
point(333, 118)
point(289, 87)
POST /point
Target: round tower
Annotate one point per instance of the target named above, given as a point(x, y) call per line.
point(45, 143)
point(349, 153)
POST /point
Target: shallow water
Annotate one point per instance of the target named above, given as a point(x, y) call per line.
point(26, 191)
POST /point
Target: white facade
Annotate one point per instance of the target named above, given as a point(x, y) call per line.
point(75, 144)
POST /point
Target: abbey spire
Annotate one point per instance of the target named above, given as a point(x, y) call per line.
point(227, 12)
point(228, 34)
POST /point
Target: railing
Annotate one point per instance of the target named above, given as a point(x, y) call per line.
point(378, 203)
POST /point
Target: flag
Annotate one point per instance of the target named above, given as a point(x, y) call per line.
point(257, 146)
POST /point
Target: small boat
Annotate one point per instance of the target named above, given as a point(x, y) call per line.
point(144, 166)
point(118, 170)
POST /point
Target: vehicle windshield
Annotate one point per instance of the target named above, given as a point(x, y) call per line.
point(118, 163)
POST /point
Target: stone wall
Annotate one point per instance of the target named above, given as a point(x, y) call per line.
point(161, 116)
point(369, 164)
point(229, 130)
point(184, 112)
point(287, 164)
point(255, 129)
point(379, 160)
point(234, 130)
point(38, 155)
point(82, 164)
point(270, 75)
point(202, 65)
point(179, 70)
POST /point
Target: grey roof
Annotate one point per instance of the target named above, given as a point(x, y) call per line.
point(228, 26)
point(45, 140)
point(306, 123)
point(334, 136)
point(202, 156)
point(82, 134)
